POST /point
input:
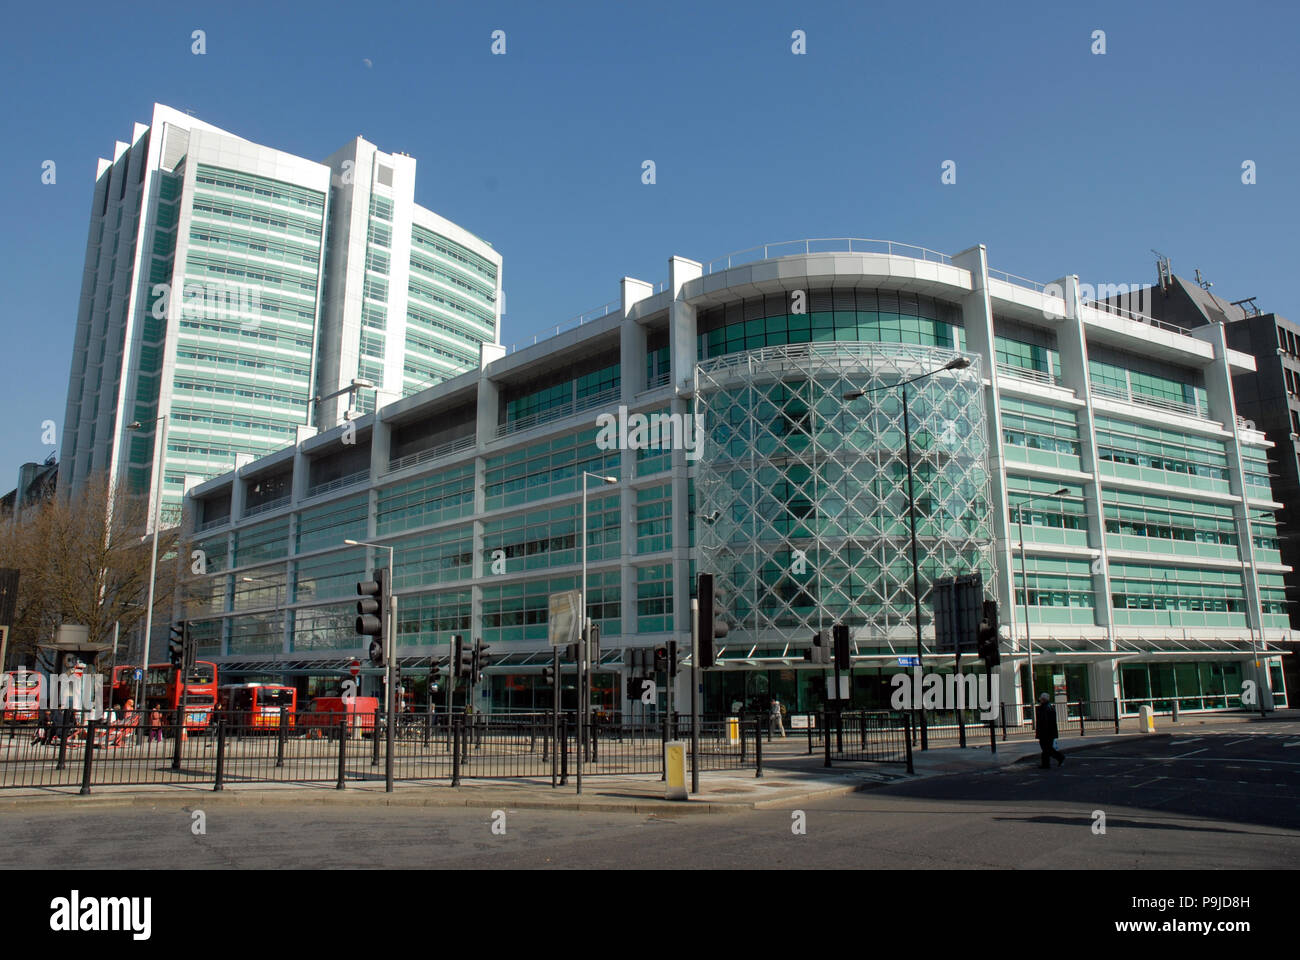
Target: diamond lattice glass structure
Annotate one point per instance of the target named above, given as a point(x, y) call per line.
point(802, 496)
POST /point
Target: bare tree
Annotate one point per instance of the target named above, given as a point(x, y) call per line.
point(86, 560)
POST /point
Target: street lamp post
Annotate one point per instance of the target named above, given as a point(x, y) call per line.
point(280, 642)
point(357, 383)
point(390, 661)
point(584, 685)
point(956, 363)
point(1024, 580)
point(156, 476)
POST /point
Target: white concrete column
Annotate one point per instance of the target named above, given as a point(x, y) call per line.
point(1072, 342)
point(1223, 407)
point(238, 490)
point(682, 350)
point(632, 340)
point(978, 330)
point(489, 394)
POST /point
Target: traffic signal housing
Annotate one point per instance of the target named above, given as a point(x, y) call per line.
point(661, 659)
point(548, 675)
point(817, 653)
point(710, 625)
point(176, 644)
point(462, 659)
point(189, 654)
point(480, 659)
point(370, 615)
point(987, 638)
point(840, 635)
point(672, 658)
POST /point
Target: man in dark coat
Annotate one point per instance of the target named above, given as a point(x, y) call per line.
point(1046, 724)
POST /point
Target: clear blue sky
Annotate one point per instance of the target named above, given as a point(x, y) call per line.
point(1067, 162)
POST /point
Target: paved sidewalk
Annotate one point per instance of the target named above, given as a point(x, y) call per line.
point(790, 776)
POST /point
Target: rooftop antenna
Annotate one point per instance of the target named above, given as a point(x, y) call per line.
point(1202, 282)
point(1164, 270)
point(1248, 306)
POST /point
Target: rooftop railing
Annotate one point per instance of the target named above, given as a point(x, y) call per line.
point(1023, 373)
point(268, 505)
point(433, 453)
point(792, 248)
point(614, 306)
point(559, 411)
point(1157, 403)
point(355, 478)
point(1012, 279)
point(1105, 306)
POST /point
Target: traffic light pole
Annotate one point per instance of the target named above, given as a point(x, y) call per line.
point(695, 696)
point(391, 666)
point(959, 707)
point(582, 691)
point(555, 712)
point(916, 567)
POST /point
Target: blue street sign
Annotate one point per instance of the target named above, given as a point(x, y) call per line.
point(136, 674)
point(909, 661)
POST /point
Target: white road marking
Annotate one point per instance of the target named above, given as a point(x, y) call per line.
point(1242, 740)
point(1293, 743)
point(1189, 753)
point(1178, 743)
point(1229, 760)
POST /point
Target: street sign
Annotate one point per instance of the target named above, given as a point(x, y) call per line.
point(909, 661)
point(135, 674)
point(563, 625)
point(354, 668)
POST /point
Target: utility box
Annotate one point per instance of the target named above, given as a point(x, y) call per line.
point(1147, 719)
point(675, 770)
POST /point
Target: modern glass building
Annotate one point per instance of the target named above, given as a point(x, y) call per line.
point(228, 285)
point(717, 404)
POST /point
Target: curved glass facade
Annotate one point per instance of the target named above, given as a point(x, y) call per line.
point(810, 490)
point(828, 316)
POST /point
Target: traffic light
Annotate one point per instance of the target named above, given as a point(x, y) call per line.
point(176, 645)
point(548, 675)
point(661, 659)
point(464, 659)
point(435, 677)
point(672, 658)
point(840, 634)
point(370, 615)
point(480, 659)
point(189, 653)
point(987, 638)
point(817, 653)
point(710, 624)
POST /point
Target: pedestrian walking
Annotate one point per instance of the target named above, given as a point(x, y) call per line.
point(155, 726)
point(776, 716)
point(1046, 723)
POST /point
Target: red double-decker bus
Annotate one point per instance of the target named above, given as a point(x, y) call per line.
point(22, 696)
point(259, 706)
point(163, 690)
